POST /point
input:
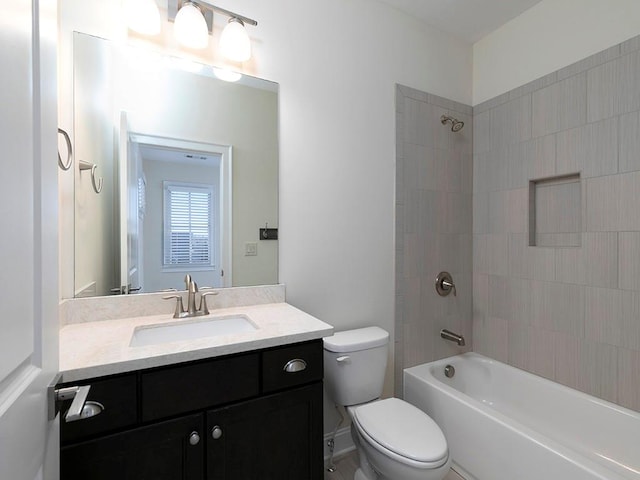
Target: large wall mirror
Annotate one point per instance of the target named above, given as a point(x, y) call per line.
point(186, 166)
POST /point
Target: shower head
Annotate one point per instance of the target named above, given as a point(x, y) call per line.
point(456, 125)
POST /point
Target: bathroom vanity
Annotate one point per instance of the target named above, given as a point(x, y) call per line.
point(245, 406)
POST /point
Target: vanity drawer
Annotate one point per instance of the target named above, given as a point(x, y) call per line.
point(172, 391)
point(292, 365)
point(117, 395)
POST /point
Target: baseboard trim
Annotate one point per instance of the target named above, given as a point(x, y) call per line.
point(343, 443)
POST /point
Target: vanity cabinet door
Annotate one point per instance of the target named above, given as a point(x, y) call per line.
point(162, 451)
point(277, 437)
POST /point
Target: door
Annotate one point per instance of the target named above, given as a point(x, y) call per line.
point(130, 167)
point(278, 437)
point(28, 244)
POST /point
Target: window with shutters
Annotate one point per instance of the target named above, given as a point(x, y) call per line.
point(188, 226)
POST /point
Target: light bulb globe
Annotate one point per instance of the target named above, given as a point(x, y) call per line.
point(234, 41)
point(190, 27)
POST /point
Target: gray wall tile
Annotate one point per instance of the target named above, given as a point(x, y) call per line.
point(628, 385)
point(491, 338)
point(629, 152)
point(591, 149)
point(434, 181)
point(531, 160)
point(510, 122)
point(597, 370)
point(629, 260)
point(558, 307)
point(536, 263)
point(612, 88)
point(560, 106)
point(630, 45)
point(595, 263)
point(603, 208)
point(603, 315)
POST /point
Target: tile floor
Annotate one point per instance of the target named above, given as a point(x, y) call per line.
point(348, 464)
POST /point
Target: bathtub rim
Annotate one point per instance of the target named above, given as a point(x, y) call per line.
point(595, 468)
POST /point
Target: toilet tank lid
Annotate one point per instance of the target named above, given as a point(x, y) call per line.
point(358, 339)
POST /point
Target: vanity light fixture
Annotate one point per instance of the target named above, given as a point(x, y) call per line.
point(197, 21)
point(143, 16)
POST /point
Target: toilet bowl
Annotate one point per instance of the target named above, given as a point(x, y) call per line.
point(395, 440)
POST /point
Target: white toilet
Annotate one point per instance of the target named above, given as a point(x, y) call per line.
point(395, 440)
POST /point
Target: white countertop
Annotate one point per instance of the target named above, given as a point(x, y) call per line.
point(96, 349)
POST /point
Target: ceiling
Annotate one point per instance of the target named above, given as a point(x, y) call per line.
point(469, 20)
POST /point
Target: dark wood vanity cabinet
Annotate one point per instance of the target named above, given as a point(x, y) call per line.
point(270, 438)
point(239, 417)
point(161, 451)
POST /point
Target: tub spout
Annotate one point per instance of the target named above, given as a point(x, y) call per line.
point(452, 337)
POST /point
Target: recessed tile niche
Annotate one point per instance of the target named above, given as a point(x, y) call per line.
point(555, 211)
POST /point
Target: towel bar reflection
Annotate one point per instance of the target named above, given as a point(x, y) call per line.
point(65, 166)
point(97, 183)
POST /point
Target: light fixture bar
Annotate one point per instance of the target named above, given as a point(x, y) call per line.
point(228, 13)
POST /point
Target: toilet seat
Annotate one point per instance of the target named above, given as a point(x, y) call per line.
point(402, 432)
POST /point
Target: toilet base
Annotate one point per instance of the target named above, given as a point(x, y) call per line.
point(368, 457)
point(360, 475)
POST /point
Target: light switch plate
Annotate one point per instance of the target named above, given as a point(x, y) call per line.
point(250, 249)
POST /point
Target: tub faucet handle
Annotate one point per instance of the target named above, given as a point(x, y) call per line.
point(445, 285)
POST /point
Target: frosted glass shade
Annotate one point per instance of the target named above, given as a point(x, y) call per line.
point(143, 16)
point(190, 27)
point(234, 41)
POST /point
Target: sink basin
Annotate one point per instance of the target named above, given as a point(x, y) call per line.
point(191, 329)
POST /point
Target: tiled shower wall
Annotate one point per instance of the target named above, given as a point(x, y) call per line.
point(433, 227)
point(571, 314)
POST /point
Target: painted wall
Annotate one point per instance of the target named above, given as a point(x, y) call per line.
point(547, 37)
point(434, 180)
point(571, 314)
point(337, 64)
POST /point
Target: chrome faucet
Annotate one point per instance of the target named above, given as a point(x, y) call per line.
point(191, 310)
point(452, 337)
point(192, 289)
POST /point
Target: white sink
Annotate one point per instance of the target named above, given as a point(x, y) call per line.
point(191, 329)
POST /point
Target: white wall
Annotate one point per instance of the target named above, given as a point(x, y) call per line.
point(547, 37)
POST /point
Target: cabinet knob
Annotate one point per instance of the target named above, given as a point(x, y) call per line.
point(194, 438)
point(216, 432)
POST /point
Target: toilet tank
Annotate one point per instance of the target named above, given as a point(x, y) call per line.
point(355, 362)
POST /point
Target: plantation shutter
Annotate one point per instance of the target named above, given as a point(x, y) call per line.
point(188, 225)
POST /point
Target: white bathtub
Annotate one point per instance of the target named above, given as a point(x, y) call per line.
point(502, 423)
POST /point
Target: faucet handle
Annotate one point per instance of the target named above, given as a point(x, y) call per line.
point(203, 301)
point(179, 308)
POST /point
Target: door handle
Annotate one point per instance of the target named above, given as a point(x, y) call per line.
point(79, 396)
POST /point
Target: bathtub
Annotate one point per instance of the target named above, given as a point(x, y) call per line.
point(502, 423)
